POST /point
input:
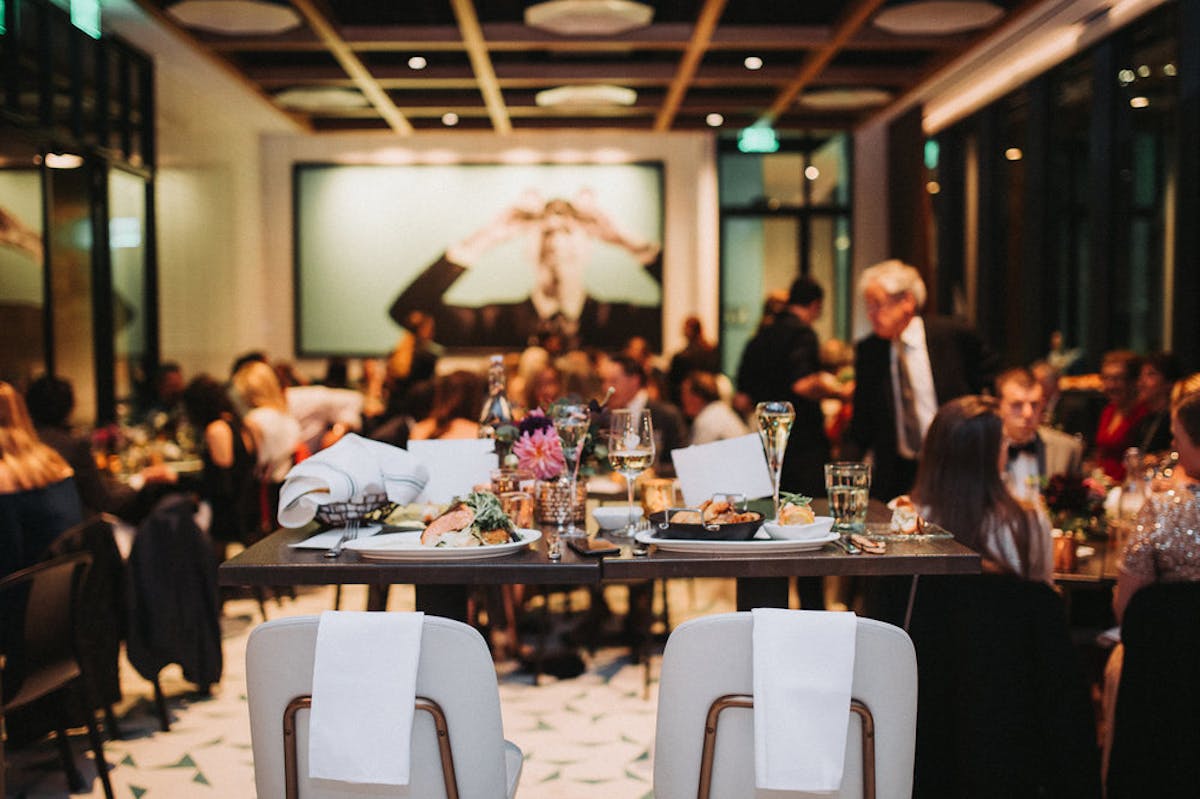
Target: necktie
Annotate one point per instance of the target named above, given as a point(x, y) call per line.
point(910, 433)
point(1029, 446)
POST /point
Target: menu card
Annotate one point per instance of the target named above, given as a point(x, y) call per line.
point(456, 465)
point(732, 466)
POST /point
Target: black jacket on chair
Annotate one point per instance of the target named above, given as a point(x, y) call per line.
point(1156, 736)
point(174, 609)
point(1003, 709)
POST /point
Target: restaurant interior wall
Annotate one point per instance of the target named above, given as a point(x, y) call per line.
point(1081, 178)
point(76, 116)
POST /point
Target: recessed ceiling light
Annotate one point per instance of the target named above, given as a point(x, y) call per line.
point(417, 62)
point(1169, 70)
point(600, 94)
point(811, 172)
point(753, 62)
point(1014, 154)
point(235, 17)
point(935, 17)
point(63, 160)
point(1139, 102)
point(844, 99)
point(1126, 77)
point(933, 187)
point(714, 120)
point(321, 98)
point(1143, 71)
point(589, 17)
point(450, 119)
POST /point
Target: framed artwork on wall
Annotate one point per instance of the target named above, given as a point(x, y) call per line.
point(494, 254)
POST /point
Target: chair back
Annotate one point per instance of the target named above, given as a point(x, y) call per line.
point(38, 609)
point(455, 672)
point(1155, 734)
point(711, 657)
point(1000, 684)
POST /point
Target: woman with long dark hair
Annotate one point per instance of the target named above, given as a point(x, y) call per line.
point(456, 400)
point(959, 486)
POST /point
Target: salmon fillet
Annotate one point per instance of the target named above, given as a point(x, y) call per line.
point(457, 518)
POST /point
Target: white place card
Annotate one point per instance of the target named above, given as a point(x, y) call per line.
point(732, 466)
point(456, 465)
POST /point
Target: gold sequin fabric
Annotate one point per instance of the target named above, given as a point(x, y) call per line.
point(1165, 544)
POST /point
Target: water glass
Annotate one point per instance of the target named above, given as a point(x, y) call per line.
point(518, 505)
point(848, 484)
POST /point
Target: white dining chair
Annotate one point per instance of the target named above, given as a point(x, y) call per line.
point(705, 734)
point(458, 746)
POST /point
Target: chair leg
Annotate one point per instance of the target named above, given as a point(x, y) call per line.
point(260, 597)
point(110, 723)
point(75, 783)
point(160, 702)
point(337, 597)
point(97, 748)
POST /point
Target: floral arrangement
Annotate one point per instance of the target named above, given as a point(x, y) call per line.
point(1075, 502)
point(537, 448)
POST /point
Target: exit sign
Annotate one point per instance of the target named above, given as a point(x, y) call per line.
point(758, 139)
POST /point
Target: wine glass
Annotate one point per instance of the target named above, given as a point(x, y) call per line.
point(571, 422)
point(630, 450)
point(774, 426)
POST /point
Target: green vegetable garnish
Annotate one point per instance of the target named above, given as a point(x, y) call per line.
point(798, 500)
point(489, 515)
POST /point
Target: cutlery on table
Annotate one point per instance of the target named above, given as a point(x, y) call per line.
point(348, 534)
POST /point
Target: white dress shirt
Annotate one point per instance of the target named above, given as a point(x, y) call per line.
point(920, 373)
point(717, 422)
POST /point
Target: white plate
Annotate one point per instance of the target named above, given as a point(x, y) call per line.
point(799, 532)
point(760, 543)
point(407, 546)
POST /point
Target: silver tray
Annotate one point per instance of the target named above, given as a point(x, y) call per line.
point(882, 531)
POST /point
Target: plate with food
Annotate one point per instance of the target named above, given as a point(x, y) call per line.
point(470, 529)
point(716, 519)
point(760, 543)
point(906, 523)
point(797, 521)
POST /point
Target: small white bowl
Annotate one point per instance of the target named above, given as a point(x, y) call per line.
point(799, 532)
point(613, 517)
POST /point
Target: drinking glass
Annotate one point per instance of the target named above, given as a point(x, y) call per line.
point(848, 484)
point(571, 422)
point(774, 426)
point(630, 450)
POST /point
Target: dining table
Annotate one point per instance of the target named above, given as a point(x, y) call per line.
point(442, 585)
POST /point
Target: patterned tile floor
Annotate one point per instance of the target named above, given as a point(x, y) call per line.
point(589, 736)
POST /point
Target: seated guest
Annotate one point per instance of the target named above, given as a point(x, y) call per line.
point(1159, 373)
point(1163, 546)
point(698, 355)
point(625, 376)
point(227, 449)
point(457, 398)
point(1035, 452)
point(712, 419)
point(1115, 433)
point(325, 414)
point(959, 487)
point(38, 497)
point(275, 432)
point(543, 388)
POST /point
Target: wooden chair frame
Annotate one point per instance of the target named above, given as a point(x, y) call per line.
point(722, 703)
point(290, 757)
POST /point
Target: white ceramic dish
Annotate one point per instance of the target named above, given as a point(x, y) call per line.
point(407, 546)
point(819, 528)
point(614, 517)
point(760, 543)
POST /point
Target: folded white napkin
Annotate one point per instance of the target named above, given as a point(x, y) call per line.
point(731, 466)
point(363, 693)
point(455, 465)
point(803, 670)
point(350, 468)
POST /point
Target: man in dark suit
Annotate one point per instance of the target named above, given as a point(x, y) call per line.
point(904, 371)
point(1035, 451)
point(627, 379)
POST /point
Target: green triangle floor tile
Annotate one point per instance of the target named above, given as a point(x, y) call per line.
point(556, 775)
point(137, 791)
point(644, 756)
point(595, 780)
point(127, 761)
point(200, 778)
point(213, 742)
point(626, 739)
point(542, 726)
point(634, 776)
point(184, 762)
point(649, 795)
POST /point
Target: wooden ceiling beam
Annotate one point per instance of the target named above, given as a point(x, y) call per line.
point(706, 23)
point(851, 21)
point(354, 67)
point(481, 62)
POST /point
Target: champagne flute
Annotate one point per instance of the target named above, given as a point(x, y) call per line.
point(631, 450)
point(571, 422)
point(774, 426)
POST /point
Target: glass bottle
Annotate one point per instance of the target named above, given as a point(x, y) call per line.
point(496, 418)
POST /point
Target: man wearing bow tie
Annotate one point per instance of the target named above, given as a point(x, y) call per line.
point(1035, 451)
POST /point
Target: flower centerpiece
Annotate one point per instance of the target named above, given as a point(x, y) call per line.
point(1076, 503)
point(538, 449)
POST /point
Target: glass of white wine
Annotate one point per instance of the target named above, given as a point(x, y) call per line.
point(774, 426)
point(630, 450)
point(571, 422)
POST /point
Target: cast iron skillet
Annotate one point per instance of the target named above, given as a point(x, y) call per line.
point(736, 531)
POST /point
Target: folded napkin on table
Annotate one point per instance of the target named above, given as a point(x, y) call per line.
point(363, 694)
point(732, 466)
point(350, 468)
point(455, 466)
point(803, 670)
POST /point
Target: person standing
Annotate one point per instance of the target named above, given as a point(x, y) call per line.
point(783, 362)
point(905, 370)
point(699, 354)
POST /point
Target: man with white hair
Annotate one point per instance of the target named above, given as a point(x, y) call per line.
point(908, 367)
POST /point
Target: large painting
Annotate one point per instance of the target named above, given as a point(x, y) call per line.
point(494, 254)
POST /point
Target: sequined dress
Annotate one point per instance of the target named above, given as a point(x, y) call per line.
point(1165, 544)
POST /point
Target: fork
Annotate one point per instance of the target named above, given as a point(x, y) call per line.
point(637, 548)
point(348, 534)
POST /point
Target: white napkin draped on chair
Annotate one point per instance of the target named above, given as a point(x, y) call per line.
point(803, 671)
point(363, 692)
point(350, 468)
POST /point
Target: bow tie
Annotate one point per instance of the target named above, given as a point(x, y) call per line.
point(1029, 446)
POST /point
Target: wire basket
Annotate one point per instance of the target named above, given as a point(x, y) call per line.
point(337, 514)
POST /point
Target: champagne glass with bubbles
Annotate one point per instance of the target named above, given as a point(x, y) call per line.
point(571, 422)
point(774, 426)
point(630, 450)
